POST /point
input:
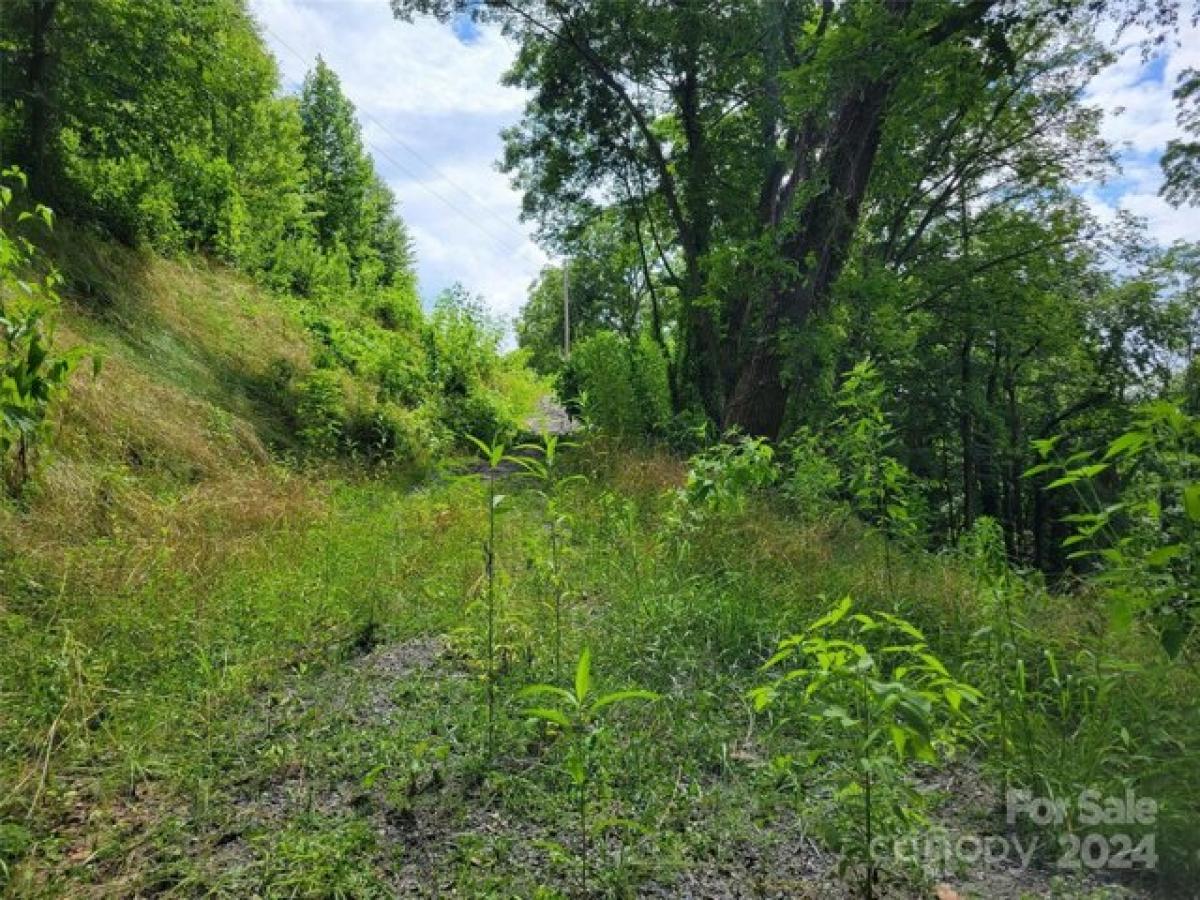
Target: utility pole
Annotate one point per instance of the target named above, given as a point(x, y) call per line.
point(566, 311)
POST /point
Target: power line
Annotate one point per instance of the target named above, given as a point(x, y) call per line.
point(500, 242)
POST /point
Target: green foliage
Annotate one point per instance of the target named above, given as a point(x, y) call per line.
point(577, 717)
point(609, 290)
point(1181, 162)
point(169, 687)
point(880, 487)
point(545, 469)
point(1145, 540)
point(811, 479)
point(998, 649)
point(387, 432)
point(321, 411)
point(872, 689)
point(479, 412)
point(462, 347)
point(621, 387)
point(494, 456)
point(725, 477)
point(353, 210)
point(208, 156)
point(651, 385)
point(33, 374)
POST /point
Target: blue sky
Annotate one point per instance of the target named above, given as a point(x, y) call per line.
point(1135, 94)
point(432, 107)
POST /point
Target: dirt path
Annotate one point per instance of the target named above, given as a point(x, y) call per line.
point(551, 418)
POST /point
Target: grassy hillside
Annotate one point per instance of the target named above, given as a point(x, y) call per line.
point(170, 550)
point(178, 431)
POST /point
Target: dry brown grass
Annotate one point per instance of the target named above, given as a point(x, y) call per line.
point(636, 471)
point(164, 450)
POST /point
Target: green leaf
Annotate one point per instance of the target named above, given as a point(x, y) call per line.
point(899, 738)
point(1173, 636)
point(1127, 443)
point(953, 696)
point(1070, 478)
point(762, 697)
point(583, 675)
point(577, 769)
point(483, 448)
point(1191, 501)
point(1045, 445)
point(1163, 555)
point(546, 690)
point(622, 696)
point(833, 616)
point(547, 714)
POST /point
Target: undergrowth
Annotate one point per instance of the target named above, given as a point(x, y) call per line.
point(302, 715)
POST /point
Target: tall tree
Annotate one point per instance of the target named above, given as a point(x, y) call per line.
point(339, 170)
point(754, 127)
point(352, 206)
point(1181, 162)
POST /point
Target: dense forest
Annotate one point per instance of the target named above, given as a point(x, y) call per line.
point(846, 435)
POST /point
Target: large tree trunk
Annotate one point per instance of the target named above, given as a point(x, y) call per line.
point(37, 96)
point(701, 344)
point(824, 224)
point(818, 248)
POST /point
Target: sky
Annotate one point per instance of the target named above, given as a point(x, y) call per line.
point(432, 107)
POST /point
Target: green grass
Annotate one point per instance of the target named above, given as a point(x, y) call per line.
point(308, 717)
point(222, 675)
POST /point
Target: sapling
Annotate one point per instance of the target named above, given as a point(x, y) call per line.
point(33, 372)
point(577, 715)
point(1145, 540)
point(1002, 665)
point(494, 456)
point(878, 483)
point(546, 472)
point(882, 698)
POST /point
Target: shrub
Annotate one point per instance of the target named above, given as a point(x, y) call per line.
point(388, 433)
point(874, 698)
point(618, 387)
point(723, 477)
point(32, 374)
point(651, 389)
point(1146, 540)
point(811, 478)
point(395, 309)
point(479, 413)
point(321, 411)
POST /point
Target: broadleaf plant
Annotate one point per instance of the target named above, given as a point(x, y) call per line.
point(870, 686)
point(576, 714)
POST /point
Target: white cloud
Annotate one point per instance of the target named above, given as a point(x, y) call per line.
point(432, 108)
point(1135, 94)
